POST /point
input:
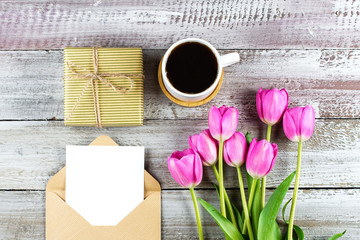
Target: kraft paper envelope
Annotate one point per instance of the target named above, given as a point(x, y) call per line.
point(64, 223)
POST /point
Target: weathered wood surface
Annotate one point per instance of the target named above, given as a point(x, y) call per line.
point(322, 69)
point(44, 24)
point(321, 213)
point(32, 86)
point(33, 151)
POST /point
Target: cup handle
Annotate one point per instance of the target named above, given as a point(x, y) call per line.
point(229, 59)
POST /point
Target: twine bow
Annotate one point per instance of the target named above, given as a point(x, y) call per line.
point(93, 78)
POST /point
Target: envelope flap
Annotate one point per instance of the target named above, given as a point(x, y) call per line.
point(144, 222)
point(58, 208)
point(103, 141)
point(151, 185)
point(58, 213)
point(56, 184)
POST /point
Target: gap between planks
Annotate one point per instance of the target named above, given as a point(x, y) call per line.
point(205, 189)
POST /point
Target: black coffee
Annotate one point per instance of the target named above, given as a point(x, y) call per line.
point(191, 67)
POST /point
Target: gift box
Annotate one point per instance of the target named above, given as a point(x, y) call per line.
point(103, 87)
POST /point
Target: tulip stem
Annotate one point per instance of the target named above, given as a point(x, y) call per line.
point(221, 179)
point(263, 190)
point(227, 200)
point(244, 204)
point(296, 188)
point(268, 133)
point(263, 184)
point(252, 192)
point(251, 198)
point(197, 212)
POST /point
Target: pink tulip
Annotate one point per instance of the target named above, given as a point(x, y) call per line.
point(223, 122)
point(260, 158)
point(299, 123)
point(186, 168)
point(235, 149)
point(206, 146)
point(271, 104)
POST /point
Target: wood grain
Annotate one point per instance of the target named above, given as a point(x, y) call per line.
point(32, 87)
point(322, 69)
point(45, 24)
point(22, 214)
point(33, 151)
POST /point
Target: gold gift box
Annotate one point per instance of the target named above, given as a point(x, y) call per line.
point(110, 97)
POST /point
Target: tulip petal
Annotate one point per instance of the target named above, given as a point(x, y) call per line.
point(215, 122)
point(274, 103)
point(275, 151)
point(259, 159)
point(299, 123)
point(289, 127)
point(185, 171)
point(207, 132)
point(307, 123)
point(252, 144)
point(253, 159)
point(226, 156)
point(176, 173)
point(198, 170)
point(223, 109)
point(266, 155)
point(229, 123)
point(193, 142)
point(258, 104)
point(228, 147)
point(236, 150)
point(207, 148)
point(188, 151)
point(295, 114)
point(285, 96)
point(177, 155)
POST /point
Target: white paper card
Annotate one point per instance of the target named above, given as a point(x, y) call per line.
point(104, 183)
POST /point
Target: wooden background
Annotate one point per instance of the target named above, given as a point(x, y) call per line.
point(309, 47)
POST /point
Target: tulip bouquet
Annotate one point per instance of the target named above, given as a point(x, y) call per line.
point(221, 142)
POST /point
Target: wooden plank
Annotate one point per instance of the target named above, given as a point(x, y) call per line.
point(32, 87)
point(22, 214)
point(43, 24)
point(33, 151)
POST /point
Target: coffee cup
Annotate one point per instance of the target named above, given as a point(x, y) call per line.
point(191, 69)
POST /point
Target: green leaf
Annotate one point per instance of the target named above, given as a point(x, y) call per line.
point(275, 231)
point(336, 236)
point(299, 233)
point(249, 179)
point(256, 207)
point(226, 226)
point(248, 138)
point(217, 188)
point(238, 216)
point(284, 209)
point(227, 209)
point(228, 216)
point(269, 213)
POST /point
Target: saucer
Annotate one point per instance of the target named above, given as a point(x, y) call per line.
point(187, 103)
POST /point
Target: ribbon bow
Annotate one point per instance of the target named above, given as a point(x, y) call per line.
point(93, 78)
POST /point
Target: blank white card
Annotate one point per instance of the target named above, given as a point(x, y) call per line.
point(104, 183)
